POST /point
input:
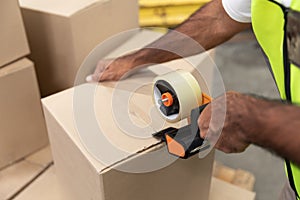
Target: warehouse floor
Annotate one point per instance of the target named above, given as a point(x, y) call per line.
point(243, 69)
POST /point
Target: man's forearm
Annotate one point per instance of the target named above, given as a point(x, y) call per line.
point(279, 129)
point(251, 120)
point(207, 27)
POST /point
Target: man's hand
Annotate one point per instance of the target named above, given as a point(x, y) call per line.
point(241, 121)
point(111, 69)
point(209, 26)
point(250, 120)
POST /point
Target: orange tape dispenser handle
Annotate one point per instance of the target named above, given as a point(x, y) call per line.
point(186, 141)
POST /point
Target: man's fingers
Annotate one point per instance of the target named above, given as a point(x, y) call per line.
point(111, 70)
point(203, 121)
point(89, 78)
point(93, 78)
point(203, 131)
point(104, 76)
point(99, 73)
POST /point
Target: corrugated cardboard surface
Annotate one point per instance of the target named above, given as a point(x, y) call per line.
point(12, 35)
point(60, 39)
point(22, 125)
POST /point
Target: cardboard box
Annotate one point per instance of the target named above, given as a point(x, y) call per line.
point(61, 35)
point(83, 176)
point(12, 35)
point(112, 104)
point(22, 124)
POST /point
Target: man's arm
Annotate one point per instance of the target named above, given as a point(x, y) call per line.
point(249, 120)
point(209, 26)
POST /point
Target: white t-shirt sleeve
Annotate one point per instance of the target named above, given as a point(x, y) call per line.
point(238, 10)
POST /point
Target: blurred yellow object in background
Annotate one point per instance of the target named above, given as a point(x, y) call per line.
point(167, 13)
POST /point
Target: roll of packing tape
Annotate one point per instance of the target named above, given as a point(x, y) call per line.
point(175, 94)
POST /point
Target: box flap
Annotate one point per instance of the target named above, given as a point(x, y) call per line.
point(58, 7)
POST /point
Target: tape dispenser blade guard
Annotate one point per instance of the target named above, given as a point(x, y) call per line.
point(186, 141)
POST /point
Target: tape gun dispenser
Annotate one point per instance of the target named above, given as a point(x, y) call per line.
point(177, 95)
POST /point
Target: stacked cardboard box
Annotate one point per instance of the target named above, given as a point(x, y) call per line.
point(22, 126)
point(126, 170)
point(62, 34)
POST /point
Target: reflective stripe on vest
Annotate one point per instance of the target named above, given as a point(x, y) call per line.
point(269, 21)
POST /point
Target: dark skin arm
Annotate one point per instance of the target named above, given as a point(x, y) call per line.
point(209, 26)
point(250, 120)
point(271, 125)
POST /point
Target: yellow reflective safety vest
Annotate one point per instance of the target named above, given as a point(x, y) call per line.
point(277, 29)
